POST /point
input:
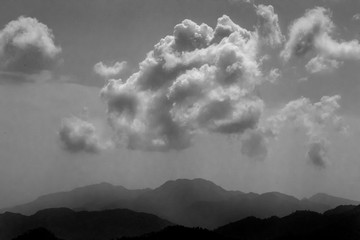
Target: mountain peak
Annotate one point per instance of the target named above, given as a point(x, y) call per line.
point(101, 185)
point(277, 195)
point(204, 189)
point(190, 182)
point(332, 201)
point(320, 195)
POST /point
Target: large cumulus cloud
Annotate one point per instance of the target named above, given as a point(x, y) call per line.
point(204, 80)
point(314, 32)
point(197, 80)
point(27, 46)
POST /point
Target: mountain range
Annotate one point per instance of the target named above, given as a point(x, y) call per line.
point(191, 203)
point(67, 224)
point(340, 223)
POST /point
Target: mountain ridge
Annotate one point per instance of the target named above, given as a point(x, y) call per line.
point(298, 225)
point(71, 225)
point(339, 223)
point(189, 202)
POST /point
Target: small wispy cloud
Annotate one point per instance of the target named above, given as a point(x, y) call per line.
point(107, 71)
point(356, 17)
point(322, 64)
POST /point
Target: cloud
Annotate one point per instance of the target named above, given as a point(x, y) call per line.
point(268, 27)
point(313, 116)
point(77, 135)
point(241, 1)
point(254, 144)
point(317, 153)
point(109, 71)
point(333, 1)
point(27, 46)
point(305, 32)
point(322, 64)
point(273, 75)
point(303, 79)
point(356, 17)
point(197, 80)
point(204, 80)
point(316, 118)
point(312, 32)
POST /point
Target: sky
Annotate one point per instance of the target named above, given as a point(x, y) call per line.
point(255, 96)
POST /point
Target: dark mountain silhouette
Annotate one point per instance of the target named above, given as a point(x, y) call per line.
point(179, 232)
point(191, 203)
point(37, 234)
point(340, 209)
point(343, 223)
point(67, 224)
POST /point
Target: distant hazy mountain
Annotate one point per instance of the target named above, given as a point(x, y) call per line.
point(93, 197)
point(196, 202)
point(332, 201)
point(69, 225)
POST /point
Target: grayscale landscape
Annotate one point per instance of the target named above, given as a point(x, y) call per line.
point(179, 119)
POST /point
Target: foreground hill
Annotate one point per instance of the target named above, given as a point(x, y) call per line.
point(179, 232)
point(67, 224)
point(191, 203)
point(341, 223)
point(38, 234)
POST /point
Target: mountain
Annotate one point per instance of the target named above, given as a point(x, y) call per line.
point(343, 222)
point(300, 225)
point(93, 197)
point(174, 200)
point(339, 210)
point(37, 233)
point(191, 203)
point(201, 203)
point(67, 224)
point(332, 201)
point(179, 232)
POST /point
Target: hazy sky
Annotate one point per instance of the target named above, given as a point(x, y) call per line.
point(264, 96)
